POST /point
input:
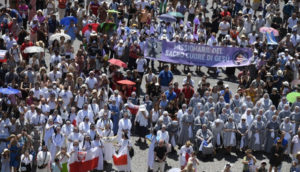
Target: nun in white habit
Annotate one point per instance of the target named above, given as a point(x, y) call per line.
point(151, 150)
point(99, 143)
point(107, 135)
point(57, 142)
point(49, 130)
point(124, 126)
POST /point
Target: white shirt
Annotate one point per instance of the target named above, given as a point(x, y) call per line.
point(125, 124)
point(80, 100)
point(296, 147)
point(29, 114)
point(94, 108)
point(84, 127)
point(45, 108)
point(102, 122)
point(163, 135)
point(76, 136)
point(84, 113)
point(55, 59)
point(141, 119)
point(66, 96)
point(67, 129)
point(292, 22)
point(224, 27)
point(38, 119)
point(37, 93)
point(26, 160)
point(91, 82)
point(140, 64)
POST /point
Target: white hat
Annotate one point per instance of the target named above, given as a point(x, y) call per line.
point(285, 83)
point(93, 33)
point(165, 112)
point(142, 108)
point(121, 41)
point(279, 73)
point(218, 121)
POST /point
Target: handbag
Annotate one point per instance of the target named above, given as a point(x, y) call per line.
point(131, 152)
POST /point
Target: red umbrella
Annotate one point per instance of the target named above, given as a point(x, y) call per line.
point(126, 82)
point(117, 62)
point(94, 27)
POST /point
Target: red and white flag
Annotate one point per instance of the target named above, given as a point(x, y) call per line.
point(120, 160)
point(84, 161)
point(133, 108)
point(2, 56)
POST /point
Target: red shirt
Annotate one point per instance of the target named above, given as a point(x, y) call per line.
point(94, 7)
point(224, 14)
point(23, 46)
point(177, 91)
point(188, 92)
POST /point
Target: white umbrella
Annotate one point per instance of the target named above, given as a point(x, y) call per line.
point(33, 49)
point(57, 36)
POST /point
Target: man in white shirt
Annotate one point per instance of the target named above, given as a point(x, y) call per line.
point(66, 96)
point(83, 113)
point(119, 49)
point(91, 81)
point(44, 107)
point(55, 74)
point(30, 113)
point(55, 59)
point(295, 38)
point(163, 134)
point(292, 21)
point(141, 63)
point(224, 27)
point(37, 93)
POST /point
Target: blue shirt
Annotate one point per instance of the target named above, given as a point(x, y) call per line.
point(52, 25)
point(14, 13)
point(163, 103)
point(165, 78)
point(226, 96)
point(170, 96)
point(71, 31)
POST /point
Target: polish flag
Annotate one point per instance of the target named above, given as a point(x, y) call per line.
point(2, 56)
point(74, 122)
point(84, 161)
point(120, 159)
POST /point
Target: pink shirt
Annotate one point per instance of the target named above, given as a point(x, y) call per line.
point(23, 9)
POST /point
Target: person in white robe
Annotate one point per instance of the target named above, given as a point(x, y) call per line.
point(74, 148)
point(49, 130)
point(100, 144)
point(124, 126)
point(57, 142)
point(86, 144)
point(66, 130)
point(163, 134)
point(184, 154)
point(43, 160)
point(107, 135)
point(75, 136)
point(125, 145)
point(63, 156)
point(84, 126)
point(151, 149)
point(103, 121)
point(57, 120)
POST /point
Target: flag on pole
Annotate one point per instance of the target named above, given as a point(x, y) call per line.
point(2, 56)
point(84, 161)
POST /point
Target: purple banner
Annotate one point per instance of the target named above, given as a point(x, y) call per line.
point(198, 55)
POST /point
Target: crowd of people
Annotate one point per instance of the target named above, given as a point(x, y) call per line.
point(73, 102)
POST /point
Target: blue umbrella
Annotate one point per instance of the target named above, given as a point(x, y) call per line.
point(67, 20)
point(9, 90)
point(167, 18)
